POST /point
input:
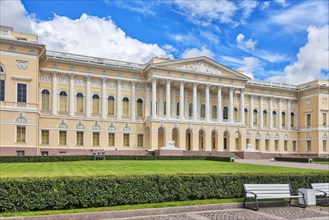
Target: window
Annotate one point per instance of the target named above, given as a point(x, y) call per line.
point(63, 101)
point(95, 104)
point(324, 118)
point(2, 90)
point(225, 113)
point(292, 120)
point(45, 100)
point(283, 116)
point(126, 140)
point(214, 112)
point(177, 108)
point(44, 136)
point(165, 108)
point(110, 105)
point(265, 118)
point(79, 103)
point(274, 118)
point(190, 110)
point(125, 106)
point(247, 141)
point(324, 145)
point(294, 145)
point(20, 153)
point(236, 143)
point(111, 139)
point(140, 140)
point(276, 145)
point(308, 145)
point(267, 144)
point(285, 145)
point(308, 120)
point(21, 92)
point(235, 114)
point(95, 138)
point(257, 144)
point(246, 116)
point(44, 153)
point(139, 108)
point(255, 117)
point(79, 138)
point(62, 137)
point(20, 134)
point(203, 111)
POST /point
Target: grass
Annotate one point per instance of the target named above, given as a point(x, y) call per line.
point(321, 162)
point(131, 167)
point(122, 207)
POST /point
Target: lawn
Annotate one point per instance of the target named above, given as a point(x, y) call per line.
point(133, 167)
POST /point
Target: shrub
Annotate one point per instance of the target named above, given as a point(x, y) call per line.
point(292, 159)
point(30, 194)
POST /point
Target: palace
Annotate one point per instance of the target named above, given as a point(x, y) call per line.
point(54, 103)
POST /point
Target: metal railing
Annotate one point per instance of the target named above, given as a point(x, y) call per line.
point(272, 84)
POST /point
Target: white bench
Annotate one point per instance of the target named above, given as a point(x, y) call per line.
point(321, 190)
point(268, 191)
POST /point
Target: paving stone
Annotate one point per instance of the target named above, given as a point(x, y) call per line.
point(293, 213)
point(234, 215)
point(165, 217)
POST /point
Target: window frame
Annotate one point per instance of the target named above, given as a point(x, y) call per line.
point(26, 93)
point(2, 94)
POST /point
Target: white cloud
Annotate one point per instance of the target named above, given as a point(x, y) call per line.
point(246, 44)
point(195, 52)
point(169, 48)
point(88, 35)
point(264, 5)
point(247, 6)
point(313, 59)
point(283, 3)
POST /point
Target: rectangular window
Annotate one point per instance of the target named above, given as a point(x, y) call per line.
point(294, 145)
point(126, 140)
point(276, 145)
point(140, 140)
point(79, 138)
point(95, 139)
point(44, 137)
point(267, 145)
point(324, 118)
point(111, 139)
point(44, 153)
point(20, 134)
point(2, 90)
point(308, 120)
point(20, 153)
point(308, 146)
point(324, 144)
point(21, 92)
point(285, 145)
point(257, 144)
point(62, 137)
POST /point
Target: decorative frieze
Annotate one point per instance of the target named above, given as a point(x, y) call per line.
point(79, 81)
point(200, 67)
point(111, 85)
point(63, 79)
point(96, 83)
point(62, 125)
point(45, 78)
point(22, 65)
point(21, 119)
point(126, 86)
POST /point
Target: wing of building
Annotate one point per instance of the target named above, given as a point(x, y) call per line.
point(54, 103)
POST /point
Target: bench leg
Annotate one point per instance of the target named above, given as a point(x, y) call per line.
point(246, 207)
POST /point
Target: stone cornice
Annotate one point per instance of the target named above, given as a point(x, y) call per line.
point(28, 44)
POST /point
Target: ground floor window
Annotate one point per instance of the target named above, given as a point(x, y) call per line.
point(126, 140)
point(44, 153)
point(267, 145)
point(95, 138)
point(111, 139)
point(20, 153)
point(285, 145)
point(324, 144)
point(140, 140)
point(21, 134)
point(44, 136)
point(294, 145)
point(62, 137)
point(79, 138)
point(276, 145)
point(308, 146)
point(257, 144)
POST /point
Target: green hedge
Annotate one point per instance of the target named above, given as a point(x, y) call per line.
point(321, 159)
point(292, 159)
point(23, 159)
point(30, 194)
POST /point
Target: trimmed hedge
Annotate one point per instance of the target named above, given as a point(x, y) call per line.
point(24, 159)
point(30, 194)
point(321, 159)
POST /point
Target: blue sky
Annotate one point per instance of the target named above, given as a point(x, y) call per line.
point(277, 40)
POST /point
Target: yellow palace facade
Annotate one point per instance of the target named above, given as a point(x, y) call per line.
point(54, 103)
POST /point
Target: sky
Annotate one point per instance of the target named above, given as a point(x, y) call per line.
point(276, 40)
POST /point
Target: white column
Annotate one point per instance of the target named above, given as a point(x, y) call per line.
point(147, 97)
point(173, 104)
point(104, 97)
point(251, 111)
point(231, 105)
point(88, 96)
point(271, 113)
point(161, 101)
point(119, 101)
point(181, 101)
point(186, 108)
point(154, 97)
point(72, 94)
point(168, 110)
point(242, 106)
point(195, 116)
point(207, 102)
point(133, 100)
point(289, 114)
point(54, 98)
point(280, 114)
point(261, 106)
point(219, 104)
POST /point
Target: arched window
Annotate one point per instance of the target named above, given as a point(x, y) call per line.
point(235, 114)
point(265, 118)
point(274, 118)
point(95, 104)
point(214, 112)
point(225, 113)
point(283, 116)
point(1, 69)
point(245, 116)
point(110, 105)
point(139, 108)
point(177, 108)
point(45, 100)
point(202, 111)
point(125, 106)
point(255, 117)
point(292, 120)
point(190, 110)
point(63, 101)
point(79, 104)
